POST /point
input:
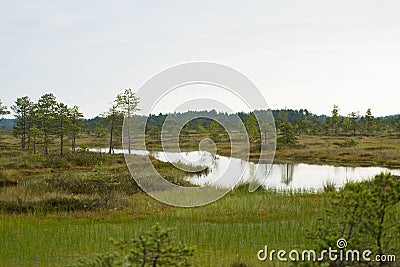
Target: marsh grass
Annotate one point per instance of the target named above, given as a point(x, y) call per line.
point(232, 229)
point(66, 208)
point(60, 214)
point(330, 186)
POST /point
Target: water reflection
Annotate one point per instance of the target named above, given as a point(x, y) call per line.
point(287, 173)
point(224, 171)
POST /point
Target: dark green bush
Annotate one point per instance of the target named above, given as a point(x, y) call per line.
point(347, 143)
point(66, 203)
point(98, 181)
point(366, 215)
point(154, 248)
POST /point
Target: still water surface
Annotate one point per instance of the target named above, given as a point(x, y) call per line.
point(287, 176)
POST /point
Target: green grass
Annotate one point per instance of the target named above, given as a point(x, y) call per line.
point(232, 229)
point(47, 222)
point(39, 228)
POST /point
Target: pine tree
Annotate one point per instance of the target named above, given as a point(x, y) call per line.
point(76, 125)
point(252, 127)
point(64, 123)
point(287, 135)
point(114, 119)
point(354, 116)
point(45, 111)
point(369, 122)
point(23, 111)
point(35, 134)
point(127, 103)
point(347, 124)
point(335, 119)
point(3, 109)
point(215, 130)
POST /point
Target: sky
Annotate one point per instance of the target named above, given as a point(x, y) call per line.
point(300, 54)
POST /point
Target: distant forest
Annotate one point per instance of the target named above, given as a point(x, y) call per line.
point(306, 121)
point(48, 120)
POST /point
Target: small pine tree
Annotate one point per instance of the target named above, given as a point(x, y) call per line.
point(154, 248)
point(369, 122)
point(3, 109)
point(252, 127)
point(22, 109)
point(287, 135)
point(364, 214)
point(335, 120)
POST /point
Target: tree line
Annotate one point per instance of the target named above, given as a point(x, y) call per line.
point(44, 121)
point(48, 121)
point(289, 124)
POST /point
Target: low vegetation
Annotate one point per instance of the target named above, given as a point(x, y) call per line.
point(153, 248)
point(60, 204)
point(366, 215)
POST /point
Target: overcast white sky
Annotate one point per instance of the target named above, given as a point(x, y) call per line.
point(301, 54)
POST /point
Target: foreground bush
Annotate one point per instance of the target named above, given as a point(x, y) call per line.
point(154, 248)
point(367, 216)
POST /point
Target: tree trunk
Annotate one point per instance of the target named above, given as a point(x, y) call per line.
point(29, 136)
point(46, 149)
point(34, 146)
point(23, 141)
point(61, 138)
point(23, 138)
point(73, 142)
point(129, 132)
point(129, 141)
point(111, 134)
point(61, 144)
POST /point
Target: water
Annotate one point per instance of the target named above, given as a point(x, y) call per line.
point(293, 176)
